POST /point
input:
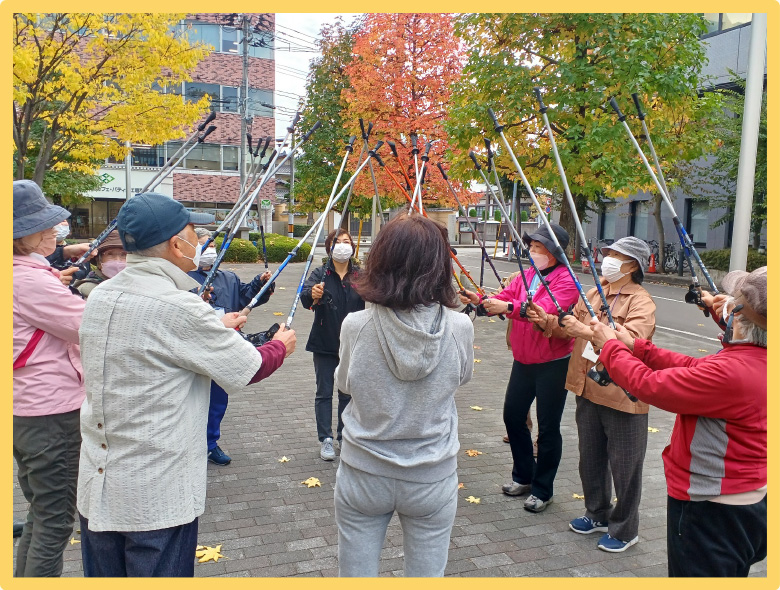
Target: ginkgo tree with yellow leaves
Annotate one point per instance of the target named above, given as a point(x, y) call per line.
point(580, 61)
point(84, 84)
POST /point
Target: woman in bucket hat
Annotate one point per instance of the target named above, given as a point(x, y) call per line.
point(48, 384)
point(716, 459)
point(612, 429)
point(538, 371)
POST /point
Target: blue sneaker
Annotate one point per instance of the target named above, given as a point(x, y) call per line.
point(586, 526)
point(218, 456)
point(613, 545)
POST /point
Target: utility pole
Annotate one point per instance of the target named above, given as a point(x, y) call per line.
point(290, 215)
point(754, 90)
point(244, 109)
point(128, 169)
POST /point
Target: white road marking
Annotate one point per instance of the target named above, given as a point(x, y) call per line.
point(687, 333)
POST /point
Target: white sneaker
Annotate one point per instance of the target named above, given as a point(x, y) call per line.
point(326, 450)
point(534, 504)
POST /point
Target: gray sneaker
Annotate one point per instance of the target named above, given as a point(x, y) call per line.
point(534, 504)
point(326, 450)
point(516, 489)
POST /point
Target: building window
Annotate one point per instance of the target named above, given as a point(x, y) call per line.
point(204, 157)
point(230, 40)
point(229, 99)
point(194, 91)
point(260, 103)
point(697, 221)
point(261, 45)
point(607, 221)
point(640, 215)
point(718, 22)
point(149, 156)
point(230, 158)
point(203, 33)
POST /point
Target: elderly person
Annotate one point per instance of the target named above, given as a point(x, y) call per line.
point(228, 295)
point(153, 348)
point(402, 361)
point(65, 254)
point(110, 261)
point(48, 387)
point(612, 429)
point(715, 462)
point(328, 292)
point(538, 371)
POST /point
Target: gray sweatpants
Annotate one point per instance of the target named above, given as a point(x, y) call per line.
point(364, 505)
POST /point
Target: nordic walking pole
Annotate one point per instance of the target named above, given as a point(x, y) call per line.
point(310, 258)
point(576, 217)
point(376, 200)
point(311, 230)
point(415, 151)
point(400, 165)
point(685, 240)
point(420, 179)
point(471, 225)
point(163, 173)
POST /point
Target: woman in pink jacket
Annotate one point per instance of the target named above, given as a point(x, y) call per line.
point(538, 371)
point(48, 385)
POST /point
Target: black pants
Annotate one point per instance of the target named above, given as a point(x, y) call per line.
point(612, 447)
point(164, 553)
point(324, 370)
point(707, 539)
point(544, 382)
point(47, 450)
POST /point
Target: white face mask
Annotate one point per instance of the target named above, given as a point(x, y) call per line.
point(541, 261)
point(195, 259)
point(63, 231)
point(342, 252)
point(610, 269)
point(208, 257)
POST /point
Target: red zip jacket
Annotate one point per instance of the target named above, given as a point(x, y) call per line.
point(718, 445)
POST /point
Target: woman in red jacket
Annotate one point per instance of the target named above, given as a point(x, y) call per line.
point(538, 371)
point(715, 462)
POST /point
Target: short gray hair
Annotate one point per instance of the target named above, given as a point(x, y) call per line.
point(156, 251)
point(751, 332)
point(202, 232)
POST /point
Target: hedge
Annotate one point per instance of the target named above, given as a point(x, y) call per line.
point(239, 250)
point(278, 247)
point(720, 259)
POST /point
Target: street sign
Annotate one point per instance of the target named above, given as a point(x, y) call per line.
point(265, 204)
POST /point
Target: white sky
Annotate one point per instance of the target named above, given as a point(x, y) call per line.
point(295, 36)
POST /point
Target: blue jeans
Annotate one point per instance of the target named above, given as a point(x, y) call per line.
point(164, 553)
point(218, 403)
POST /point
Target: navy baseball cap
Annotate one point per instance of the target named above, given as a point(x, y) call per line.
point(149, 219)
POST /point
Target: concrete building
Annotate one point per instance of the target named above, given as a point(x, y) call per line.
point(209, 179)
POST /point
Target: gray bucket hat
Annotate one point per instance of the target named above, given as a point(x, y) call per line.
point(32, 212)
point(633, 247)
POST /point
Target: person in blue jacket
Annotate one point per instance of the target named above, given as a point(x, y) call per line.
point(229, 294)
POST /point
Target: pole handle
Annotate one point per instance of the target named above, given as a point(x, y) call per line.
point(295, 120)
point(414, 140)
point(441, 169)
point(316, 126)
point(270, 159)
point(487, 146)
point(208, 120)
point(428, 145)
point(496, 126)
point(378, 145)
point(376, 156)
point(249, 143)
point(474, 159)
point(392, 148)
point(422, 176)
point(265, 147)
point(363, 133)
point(638, 105)
point(538, 94)
point(613, 103)
point(351, 142)
point(370, 127)
point(257, 147)
point(203, 137)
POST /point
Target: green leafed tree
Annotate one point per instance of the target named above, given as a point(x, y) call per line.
point(716, 178)
point(580, 61)
point(317, 168)
point(83, 84)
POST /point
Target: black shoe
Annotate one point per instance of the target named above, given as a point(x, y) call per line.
point(18, 527)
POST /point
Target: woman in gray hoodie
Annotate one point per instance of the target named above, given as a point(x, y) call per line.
point(402, 360)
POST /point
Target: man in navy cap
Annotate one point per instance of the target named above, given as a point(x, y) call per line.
point(151, 348)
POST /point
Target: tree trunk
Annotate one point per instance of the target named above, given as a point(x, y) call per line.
point(659, 228)
point(20, 160)
point(566, 221)
point(756, 227)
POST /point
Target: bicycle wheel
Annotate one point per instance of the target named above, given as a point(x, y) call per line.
point(670, 260)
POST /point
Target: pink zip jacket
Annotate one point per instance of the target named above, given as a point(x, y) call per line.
point(48, 379)
point(530, 346)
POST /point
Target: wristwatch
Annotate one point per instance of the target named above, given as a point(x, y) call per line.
point(510, 307)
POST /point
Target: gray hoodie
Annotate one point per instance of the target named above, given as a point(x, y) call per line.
point(402, 370)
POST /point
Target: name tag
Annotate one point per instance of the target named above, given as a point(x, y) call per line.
point(590, 353)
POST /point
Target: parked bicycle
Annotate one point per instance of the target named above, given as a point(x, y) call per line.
point(671, 257)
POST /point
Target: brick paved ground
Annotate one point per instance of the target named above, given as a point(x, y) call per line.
point(270, 525)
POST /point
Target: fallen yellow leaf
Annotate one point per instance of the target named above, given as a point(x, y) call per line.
point(578, 497)
point(461, 486)
point(278, 313)
point(208, 553)
point(283, 460)
point(477, 360)
point(702, 350)
point(651, 429)
point(477, 348)
point(472, 500)
point(473, 453)
point(74, 541)
point(492, 321)
point(312, 482)
point(702, 325)
point(477, 408)
point(282, 288)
